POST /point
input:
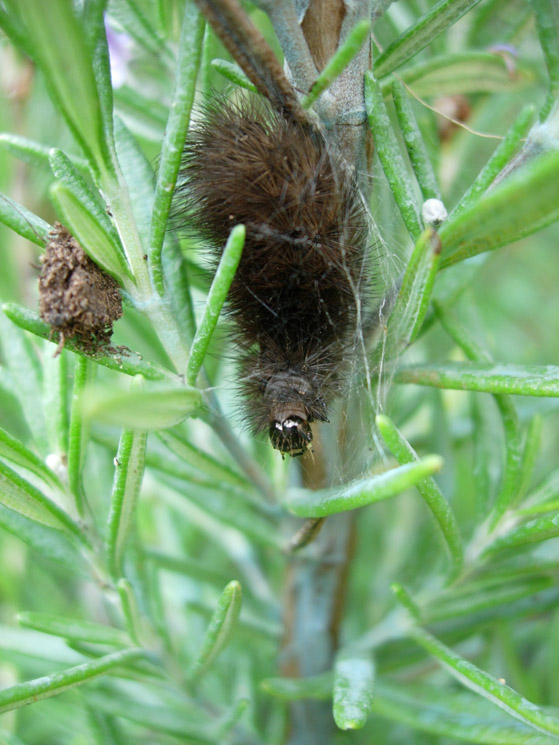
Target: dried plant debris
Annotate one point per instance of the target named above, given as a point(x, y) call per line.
point(76, 298)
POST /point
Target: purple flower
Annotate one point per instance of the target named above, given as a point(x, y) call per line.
point(120, 54)
point(508, 54)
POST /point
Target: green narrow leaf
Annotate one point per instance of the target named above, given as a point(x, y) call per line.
point(164, 17)
point(131, 16)
point(188, 64)
point(72, 85)
point(21, 358)
point(294, 689)
point(78, 435)
point(23, 222)
point(21, 496)
point(55, 393)
point(224, 275)
point(49, 543)
point(90, 235)
point(246, 462)
point(220, 629)
point(390, 157)
point(537, 509)
point(547, 23)
point(471, 348)
point(191, 568)
point(15, 451)
point(232, 717)
point(453, 283)
point(487, 599)
point(458, 73)
point(145, 116)
point(139, 176)
point(502, 155)
point(520, 205)
point(513, 459)
point(93, 19)
point(227, 509)
point(484, 454)
point(51, 685)
point(74, 629)
point(412, 302)
point(125, 361)
point(534, 531)
point(482, 25)
point(353, 691)
point(248, 625)
point(414, 142)
point(129, 472)
point(546, 489)
point(202, 461)
point(406, 600)
point(184, 721)
point(41, 647)
point(209, 53)
point(159, 459)
point(324, 502)
point(12, 27)
point(142, 292)
point(233, 73)
point(130, 610)
point(486, 685)
point(452, 715)
point(32, 152)
point(432, 495)
point(527, 605)
point(346, 52)
point(427, 28)
point(67, 174)
point(101, 726)
point(155, 407)
point(519, 380)
point(530, 453)
point(180, 277)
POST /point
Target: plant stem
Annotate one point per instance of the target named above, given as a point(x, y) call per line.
point(316, 577)
point(316, 584)
point(315, 597)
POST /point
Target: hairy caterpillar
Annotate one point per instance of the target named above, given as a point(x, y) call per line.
point(295, 296)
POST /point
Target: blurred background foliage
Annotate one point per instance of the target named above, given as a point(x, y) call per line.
point(200, 521)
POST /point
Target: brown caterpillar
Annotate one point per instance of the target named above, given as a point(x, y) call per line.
point(303, 271)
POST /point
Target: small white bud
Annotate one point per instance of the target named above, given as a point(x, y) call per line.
point(433, 212)
point(58, 464)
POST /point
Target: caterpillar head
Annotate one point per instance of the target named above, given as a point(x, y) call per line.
point(290, 434)
point(290, 400)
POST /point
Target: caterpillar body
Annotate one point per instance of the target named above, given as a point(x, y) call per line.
point(294, 299)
